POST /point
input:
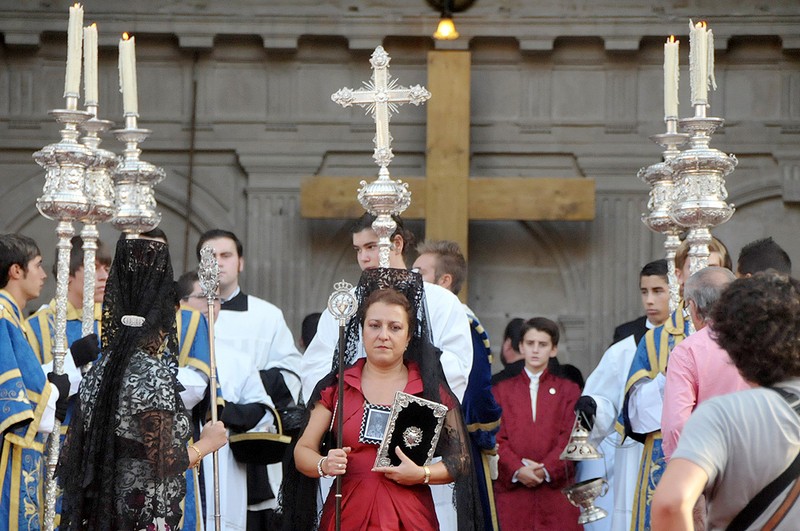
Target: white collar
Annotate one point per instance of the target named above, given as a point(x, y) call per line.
point(533, 376)
point(237, 291)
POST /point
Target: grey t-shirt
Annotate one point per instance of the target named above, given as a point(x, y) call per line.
point(743, 441)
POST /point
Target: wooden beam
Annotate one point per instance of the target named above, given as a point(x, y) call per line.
point(336, 197)
point(531, 199)
point(490, 198)
point(447, 156)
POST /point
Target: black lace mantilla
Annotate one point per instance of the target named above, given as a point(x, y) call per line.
point(409, 283)
point(130, 410)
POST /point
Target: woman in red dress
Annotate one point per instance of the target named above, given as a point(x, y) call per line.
point(399, 357)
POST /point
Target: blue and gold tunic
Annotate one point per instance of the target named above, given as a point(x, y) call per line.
point(650, 359)
point(24, 393)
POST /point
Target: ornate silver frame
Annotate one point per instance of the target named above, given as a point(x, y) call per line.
point(402, 401)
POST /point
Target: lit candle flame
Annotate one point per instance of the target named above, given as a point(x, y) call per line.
point(671, 39)
point(701, 24)
point(125, 36)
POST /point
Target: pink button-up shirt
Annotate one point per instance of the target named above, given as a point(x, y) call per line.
point(698, 369)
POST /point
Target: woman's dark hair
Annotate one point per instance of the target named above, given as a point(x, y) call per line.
point(757, 321)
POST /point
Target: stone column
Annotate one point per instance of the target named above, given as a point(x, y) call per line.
point(277, 248)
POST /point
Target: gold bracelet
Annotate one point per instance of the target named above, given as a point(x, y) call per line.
point(199, 456)
point(427, 470)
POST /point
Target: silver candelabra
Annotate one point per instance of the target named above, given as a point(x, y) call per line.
point(99, 191)
point(134, 180)
point(63, 200)
point(700, 173)
point(661, 179)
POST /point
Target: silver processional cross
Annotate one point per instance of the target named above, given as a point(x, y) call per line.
point(382, 95)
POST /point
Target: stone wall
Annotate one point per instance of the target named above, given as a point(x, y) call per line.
point(559, 89)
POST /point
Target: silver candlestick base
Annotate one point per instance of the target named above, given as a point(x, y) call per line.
point(661, 179)
point(134, 180)
point(99, 191)
point(65, 164)
point(700, 179)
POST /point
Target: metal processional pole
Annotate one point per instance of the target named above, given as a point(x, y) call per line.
point(62, 200)
point(99, 192)
point(661, 179)
point(208, 275)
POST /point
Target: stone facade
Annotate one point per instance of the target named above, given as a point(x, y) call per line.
point(559, 89)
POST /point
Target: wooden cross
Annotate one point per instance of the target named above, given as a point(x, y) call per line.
point(448, 198)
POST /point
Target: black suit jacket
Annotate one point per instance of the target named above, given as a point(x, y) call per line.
point(637, 328)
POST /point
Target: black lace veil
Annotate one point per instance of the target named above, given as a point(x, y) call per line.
point(138, 314)
point(299, 492)
point(409, 283)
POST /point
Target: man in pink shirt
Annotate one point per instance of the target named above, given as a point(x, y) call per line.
point(698, 367)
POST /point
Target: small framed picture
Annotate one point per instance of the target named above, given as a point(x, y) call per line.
point(373, 424)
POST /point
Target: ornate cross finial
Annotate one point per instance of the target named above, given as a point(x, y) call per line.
point(381, 95)
point(208, 273)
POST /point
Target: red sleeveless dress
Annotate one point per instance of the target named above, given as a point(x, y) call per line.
point(370, 501)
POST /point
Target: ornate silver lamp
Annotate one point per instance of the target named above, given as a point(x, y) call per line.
point(63, 200)
point(134, 179)
point(381, 96)
point(660, 177)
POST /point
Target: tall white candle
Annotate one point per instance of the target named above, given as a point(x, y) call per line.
point(72, 82)
point(671, 77)
point(698, 62)
point(90, 65)
point(127, 74)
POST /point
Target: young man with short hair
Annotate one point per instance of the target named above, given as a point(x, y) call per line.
point(603, 397)
point(644, 398)
point(762, 255)
point(252, 339)
point(29, 401)
point(537, 422)
point(442, 263)
point(654, 288)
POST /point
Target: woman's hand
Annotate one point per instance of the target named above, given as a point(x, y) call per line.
point(214, 436)
point(406, 473)
point(335, 463)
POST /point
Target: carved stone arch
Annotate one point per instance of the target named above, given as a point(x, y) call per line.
point(20, 194)
point(761, 211)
